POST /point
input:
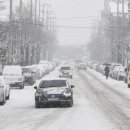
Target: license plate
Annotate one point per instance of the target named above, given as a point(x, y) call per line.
point(53, 99)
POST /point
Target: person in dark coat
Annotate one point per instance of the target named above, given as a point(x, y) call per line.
point(107, 70)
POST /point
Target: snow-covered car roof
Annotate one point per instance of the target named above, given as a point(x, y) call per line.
point(12, 69)
point(48, 78)
point(26, 66)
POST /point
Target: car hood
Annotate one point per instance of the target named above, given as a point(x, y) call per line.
point(54, 90)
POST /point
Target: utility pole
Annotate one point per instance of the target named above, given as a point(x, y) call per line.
point(20, 6)
point(39, 10)
point(43, 12)
point(10, 50)
point(48, 20)
point(31, 4)
point(123, 18)
point(21, 34)
point(11, 10)
point(35, 10)
point(117, 9)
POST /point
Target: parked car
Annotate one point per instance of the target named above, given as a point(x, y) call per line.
point(53, 91)
point(126, 76)
point(29, 75)
point(4, 90)
point(14, 76)
point(120, 73)
point(45, 66)
point(94, 66)
point(36, 71)
point(65, 71)
point(112, 71)
point(115, 72)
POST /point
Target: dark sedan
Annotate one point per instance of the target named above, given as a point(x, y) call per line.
point(53, 91)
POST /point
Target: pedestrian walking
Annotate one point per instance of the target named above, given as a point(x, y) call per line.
point(107, 70)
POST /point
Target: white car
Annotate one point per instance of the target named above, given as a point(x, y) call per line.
point(120, 73)
point(14, 76)
point(4, 90)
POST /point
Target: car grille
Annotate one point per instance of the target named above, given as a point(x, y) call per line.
point(54, 96)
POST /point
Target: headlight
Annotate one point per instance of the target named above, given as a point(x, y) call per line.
point(38, 94)
point(70, 73)
point(60, 74)
point(67, 94)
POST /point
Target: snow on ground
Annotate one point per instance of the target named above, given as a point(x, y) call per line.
point(19, 112)
point(119, 86)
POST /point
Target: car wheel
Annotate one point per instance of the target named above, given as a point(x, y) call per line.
point(8, 96)
point(118, 78)
point(70, 104)
point(128, 85)
point(125, 80)
point(22, 86)
point(3, 101)
point(32, 82)
point(37, 105)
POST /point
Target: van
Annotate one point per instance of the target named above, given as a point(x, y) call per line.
point(14, 76)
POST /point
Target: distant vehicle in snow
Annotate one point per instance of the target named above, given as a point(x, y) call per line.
point(53, 91)
point(29, 75)
point(65, 71)
point(14, 76)
point(82, 66)
point(4, 90)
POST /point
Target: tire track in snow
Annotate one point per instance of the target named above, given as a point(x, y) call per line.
point(115, 114)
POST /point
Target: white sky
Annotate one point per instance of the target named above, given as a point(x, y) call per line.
point(66, 9)
point(75, 8)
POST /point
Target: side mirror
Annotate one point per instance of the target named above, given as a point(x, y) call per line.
point(1, 73)
point(125, 69)
point(72, 86)
point(35, 87)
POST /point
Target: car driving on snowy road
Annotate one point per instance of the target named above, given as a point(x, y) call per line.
point(82, 66)
point(54, 91)
point(29, 76)
point(65, 72)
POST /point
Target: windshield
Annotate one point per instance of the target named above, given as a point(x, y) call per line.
point(82, 64)
point(52, 83)
point(65, 68)
point(26, 70)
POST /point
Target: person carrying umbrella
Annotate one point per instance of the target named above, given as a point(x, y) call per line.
point(107, 70)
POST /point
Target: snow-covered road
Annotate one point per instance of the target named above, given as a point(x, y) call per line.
point(97, 106)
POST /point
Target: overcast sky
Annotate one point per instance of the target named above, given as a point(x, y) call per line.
point(76, 8)
point(65, 10)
